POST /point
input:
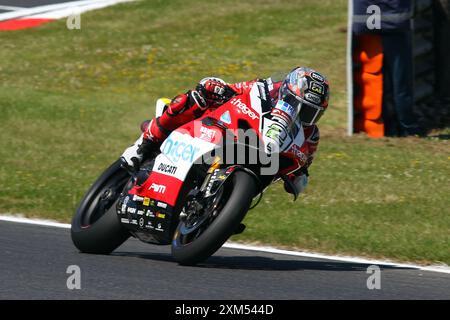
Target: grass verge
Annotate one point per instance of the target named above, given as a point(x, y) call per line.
point(72, 100)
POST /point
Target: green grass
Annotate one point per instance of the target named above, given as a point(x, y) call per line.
point(71, 101)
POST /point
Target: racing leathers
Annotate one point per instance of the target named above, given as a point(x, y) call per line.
point(211, 93)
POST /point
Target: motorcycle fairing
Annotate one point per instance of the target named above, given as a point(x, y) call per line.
point(178, 153)
point(145, 220)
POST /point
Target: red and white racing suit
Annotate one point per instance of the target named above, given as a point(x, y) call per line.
point(183, 109)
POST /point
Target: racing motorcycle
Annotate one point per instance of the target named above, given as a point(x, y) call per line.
point(188, 194)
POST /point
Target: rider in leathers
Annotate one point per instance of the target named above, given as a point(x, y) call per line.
point(301, 97)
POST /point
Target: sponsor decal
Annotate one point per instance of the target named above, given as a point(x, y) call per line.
point(134, 221)
point(225, 117)
point(295, 149)
point(150, 225)
point(140, 212)
point(158, 188)
point(162, 205)
point(244, 108)
point(230, 170)
point(124, 205)
point(167, 168)
point(150, 214)
point(314, 98)
point(222, 177)
point(286, 108)
point(131, 210)
point(177, 151)
point(276, 133)
point(211, 182)
point(159, 227)
point(207, 134)
point(317, 88)
point(160, 215)
point(141, 222)
point(124, 220)
point(146, 202)
point(317, 77)
point(281, 114)
point(137, 198)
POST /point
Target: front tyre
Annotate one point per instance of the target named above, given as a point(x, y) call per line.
point(192, 245)
point(95, 225)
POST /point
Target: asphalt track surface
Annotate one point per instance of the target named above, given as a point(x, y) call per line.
point(34, 260)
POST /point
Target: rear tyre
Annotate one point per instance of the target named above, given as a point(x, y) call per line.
point(95, 226)
point(192, 245)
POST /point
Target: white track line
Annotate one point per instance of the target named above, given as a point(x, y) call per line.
point(53, 7)
point(231, 245)
point(42, 9)
point(435, 268)
point(11, 8)
point(65, 12)
point(47, 223)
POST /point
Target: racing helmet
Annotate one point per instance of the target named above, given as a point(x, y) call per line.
point(306, 93)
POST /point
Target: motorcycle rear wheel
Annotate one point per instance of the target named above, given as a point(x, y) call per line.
point(191, 246)
point(95, 226)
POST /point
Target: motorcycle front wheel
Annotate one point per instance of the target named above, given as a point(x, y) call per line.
point(195, 241)
point(95, 226)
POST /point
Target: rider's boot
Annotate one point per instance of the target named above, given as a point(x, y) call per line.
point(134, 155)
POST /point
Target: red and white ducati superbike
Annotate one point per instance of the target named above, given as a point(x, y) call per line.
point(191, 193)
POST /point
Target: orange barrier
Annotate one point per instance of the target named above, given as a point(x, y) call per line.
point(368, 80)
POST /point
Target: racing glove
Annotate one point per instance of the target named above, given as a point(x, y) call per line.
point(215, 91)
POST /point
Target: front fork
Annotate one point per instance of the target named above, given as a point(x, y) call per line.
point(199, 196)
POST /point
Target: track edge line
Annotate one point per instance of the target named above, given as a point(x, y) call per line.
point(233, 245)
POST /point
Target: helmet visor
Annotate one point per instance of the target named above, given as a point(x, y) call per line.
point(307, 112)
